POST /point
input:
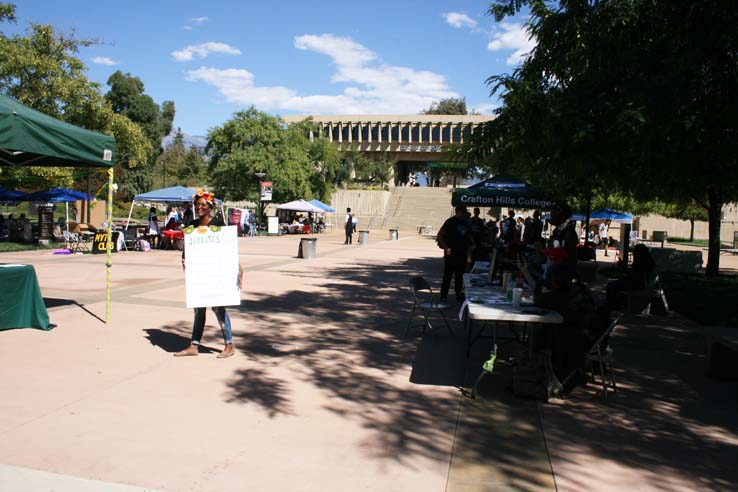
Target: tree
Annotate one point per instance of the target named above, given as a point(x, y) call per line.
point(651, 84)
point(254, 142)
point(126, 96)
point(451, 105)
point(40, 70)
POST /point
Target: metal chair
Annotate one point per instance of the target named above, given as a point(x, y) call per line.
point(601, 354)
point(425, 301)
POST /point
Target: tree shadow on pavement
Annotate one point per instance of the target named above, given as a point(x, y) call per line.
point(660, 423)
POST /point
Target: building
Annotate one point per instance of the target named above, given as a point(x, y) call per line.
point(412, 141)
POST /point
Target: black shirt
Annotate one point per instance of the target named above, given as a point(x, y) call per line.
point(457, 235)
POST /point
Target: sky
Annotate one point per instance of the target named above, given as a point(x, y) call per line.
point(289, 57)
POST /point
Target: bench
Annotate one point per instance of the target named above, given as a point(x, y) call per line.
point(639, 301)
point(722, 352)
point(425, 230)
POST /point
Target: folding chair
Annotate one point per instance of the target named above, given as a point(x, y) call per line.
point(425, 301)
point(601, 354)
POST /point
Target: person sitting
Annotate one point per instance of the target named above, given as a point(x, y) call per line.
point(168, 240)
point(568, 342)
point(641, 275)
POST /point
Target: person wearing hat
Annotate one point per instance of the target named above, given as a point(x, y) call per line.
point(455, 238)
point(204, 204)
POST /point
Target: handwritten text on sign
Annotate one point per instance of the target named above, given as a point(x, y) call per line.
point(211, 260)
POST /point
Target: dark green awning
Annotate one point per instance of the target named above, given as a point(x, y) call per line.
point(503, 191)
point(31, 138)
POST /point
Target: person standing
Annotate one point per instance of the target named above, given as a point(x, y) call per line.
point(204, 203)
point(455, 238)
point(564, 234)
point(187, 215)
point(478, 230)
point(349, 226)
point(152, 230)
point(508, 228)
point(251, 222)
point(604, 229)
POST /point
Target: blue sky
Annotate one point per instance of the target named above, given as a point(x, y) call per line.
point(291, 57)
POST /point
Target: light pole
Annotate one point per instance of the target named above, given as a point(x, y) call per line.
point(260, 177)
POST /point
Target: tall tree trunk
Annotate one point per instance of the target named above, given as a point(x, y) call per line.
point(691, 230)
point(714, 213)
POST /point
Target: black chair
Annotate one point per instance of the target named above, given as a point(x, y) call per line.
point(425, 303)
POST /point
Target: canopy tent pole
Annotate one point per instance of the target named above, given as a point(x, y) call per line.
point(130, 212)
point(89, 194)
point(109, 262)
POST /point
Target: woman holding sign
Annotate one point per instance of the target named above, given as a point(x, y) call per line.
point(204, 203)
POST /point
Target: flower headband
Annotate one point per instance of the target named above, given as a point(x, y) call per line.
point(209, 197)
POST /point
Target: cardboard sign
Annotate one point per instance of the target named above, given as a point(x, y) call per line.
point(100, 242)
point(211, 261)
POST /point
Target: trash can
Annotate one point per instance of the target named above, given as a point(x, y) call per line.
point(363, 237)
point(394, 234)
point(307, 248)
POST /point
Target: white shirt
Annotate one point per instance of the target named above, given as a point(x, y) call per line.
point(603, 231)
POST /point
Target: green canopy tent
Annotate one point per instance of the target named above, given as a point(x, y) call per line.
point(31, 138)
point(503, 191)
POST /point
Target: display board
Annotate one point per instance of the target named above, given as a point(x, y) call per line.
point(211, 266)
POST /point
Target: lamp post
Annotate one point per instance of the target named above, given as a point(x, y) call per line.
point(260, 177)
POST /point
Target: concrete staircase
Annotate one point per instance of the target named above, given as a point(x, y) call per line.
point(410, 207)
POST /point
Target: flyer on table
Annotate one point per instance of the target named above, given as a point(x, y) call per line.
point(211, 261)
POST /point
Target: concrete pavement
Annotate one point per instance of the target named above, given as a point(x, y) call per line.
point(324, 394)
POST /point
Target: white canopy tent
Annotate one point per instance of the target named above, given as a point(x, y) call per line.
point(173, 194)
point(301, 206)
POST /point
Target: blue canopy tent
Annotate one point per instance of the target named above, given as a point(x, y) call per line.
point(12, 195)
point(58, 195)
point(173, 194)
point(322, 205)
point(602, 214)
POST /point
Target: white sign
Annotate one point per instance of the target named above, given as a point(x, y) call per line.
point(211, 266)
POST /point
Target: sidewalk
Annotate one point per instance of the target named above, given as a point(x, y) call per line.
point(324, 394)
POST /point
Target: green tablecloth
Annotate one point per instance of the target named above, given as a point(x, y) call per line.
point(21, 303)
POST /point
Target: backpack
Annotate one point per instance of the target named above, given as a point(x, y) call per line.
point(533, 375)
point(508, 230)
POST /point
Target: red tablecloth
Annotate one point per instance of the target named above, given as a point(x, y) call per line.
point(172, 234)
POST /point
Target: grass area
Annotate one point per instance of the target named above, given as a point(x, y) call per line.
point(7, 247)
point(699, 243)
point(705, 300)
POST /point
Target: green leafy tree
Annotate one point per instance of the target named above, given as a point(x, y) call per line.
point(254, 142)
point(40, 69)
point(451, 105)
point(650, 84)
point(126, 96)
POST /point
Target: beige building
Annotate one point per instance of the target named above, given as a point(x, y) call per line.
point(410, 140)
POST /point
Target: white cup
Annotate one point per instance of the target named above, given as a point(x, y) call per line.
point(517, 297)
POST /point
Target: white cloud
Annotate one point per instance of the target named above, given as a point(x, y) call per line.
point(203, 50)
point(371, 86)
point(198, 20)
point(512, 36)
point(458, 20)
point(187, 28)
point(104, 60)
